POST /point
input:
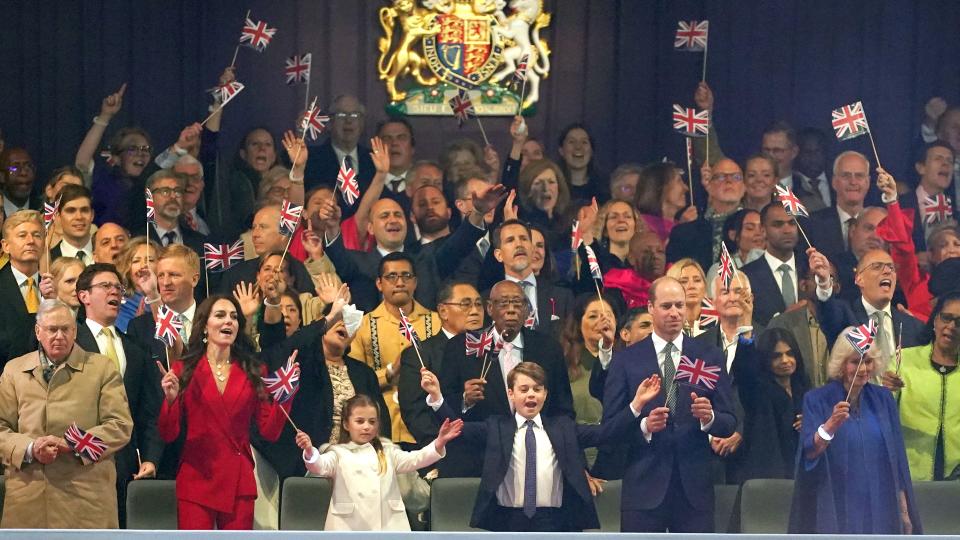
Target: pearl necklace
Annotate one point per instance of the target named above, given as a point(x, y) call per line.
point(218, 366)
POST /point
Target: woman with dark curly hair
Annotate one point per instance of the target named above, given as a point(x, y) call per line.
point(217, 390)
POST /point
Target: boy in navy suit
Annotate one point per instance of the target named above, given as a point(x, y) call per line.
point(534, 468)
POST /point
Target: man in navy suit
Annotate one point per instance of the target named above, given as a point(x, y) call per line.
point(827, 228)
point(667, 484)
point(346, 127)
point(935, 167)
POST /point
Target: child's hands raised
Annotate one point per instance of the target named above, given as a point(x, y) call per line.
point(429, 384)
point(303, 441)
point(448, 432)
point(647, 390)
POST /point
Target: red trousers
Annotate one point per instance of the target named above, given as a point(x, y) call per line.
point(194, 516)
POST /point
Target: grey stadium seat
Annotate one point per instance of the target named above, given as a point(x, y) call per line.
point(765, 506)
point(152, 504)
point(304, 503)
point(451, 503)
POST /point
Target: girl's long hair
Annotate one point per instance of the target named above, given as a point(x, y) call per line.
point(363, 400)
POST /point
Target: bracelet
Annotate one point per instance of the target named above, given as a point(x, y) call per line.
point(823, 433)
point(179, 151)
point(268, 304)
point(295, 179)
point(99, 122)
point(149, 301)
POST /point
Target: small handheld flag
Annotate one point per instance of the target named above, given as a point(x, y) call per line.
point(224, 93)
point(850, 121)
point(256, 35)
point(936, 209)
point(478, 343)
point(462, 107)
point(406, 329)
point(221, 257)
point(83, 443)
point(347, 183)
point(698, 373)
point(298, 68)
point(289, 217)
point(862, 336)
point(791, 203)
point(727, 268)
point(313, 122)
point(283, 383)
point(593, 263)
point(690, 122)
point(708, 313)
point(169, 326)
point(49, 212)
point(520, 74)
point(151, 210)
point(691, 36)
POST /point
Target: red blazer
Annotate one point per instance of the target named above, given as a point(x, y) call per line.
point(216, 465)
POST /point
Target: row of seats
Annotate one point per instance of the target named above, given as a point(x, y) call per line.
point(758, 507)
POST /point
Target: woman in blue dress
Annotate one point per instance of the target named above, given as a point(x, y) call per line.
point(852, 475)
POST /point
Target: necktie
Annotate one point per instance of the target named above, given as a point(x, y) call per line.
point(169, 237)
point(530, 472)
point(111, 351)
point(31, 299)
point(528, 292)
point(395, 185)
point(669, 373)
point(483, 245)
point(786, 285)
point(882, 338)
point(191, 222)
point(47, 372)
point(185, 333)
point(846, 231)
point(349, 161)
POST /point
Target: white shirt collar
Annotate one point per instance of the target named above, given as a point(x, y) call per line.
point(22, 278)
point(844, 216)
point(96, 327)
point(67, 249)
point(161, 231)
point(659, 343)
point(775, 262)
point(447, 333)
point(384, 253)
point(342, 154)
point(517, 341)
point(871, 310)
point(537, 421)
point(531, 279)
point(189, 312)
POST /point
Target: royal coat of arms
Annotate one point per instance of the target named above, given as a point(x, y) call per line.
point(491, 48)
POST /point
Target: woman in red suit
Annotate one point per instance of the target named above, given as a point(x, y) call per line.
point(223, 393)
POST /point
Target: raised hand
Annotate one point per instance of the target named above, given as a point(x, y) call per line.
point(296, 149)
point(380, 155)
point(818, 264)
point(329, 216)
point(312, 243)
point(703, 96)
point(248, 297)
point(327, 287)
point(303, 441)
point(229, 75)
point(518, 130)
point(647, 390)
point(448, 431)
point(341, 299)
point(170, 383)
point(488, 198)
point(510, 210)
point(701, 408)
point(587, 216)
point(430, 384)
point(112, 104)
point(146, 281)
point(841, 412)
point(892, 381)
point(189, 136)
point(47, 288)
point(887, 184)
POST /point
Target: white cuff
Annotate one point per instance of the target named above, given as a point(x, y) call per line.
point(824, 290)
point(28, 455)
point(643, 428)
point(635, 412)
point(706, 427)
point(891, 200)
point(928, 134)
point(312, 457)
point(434, 405)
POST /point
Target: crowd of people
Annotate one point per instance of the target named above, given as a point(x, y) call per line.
point(667, 373)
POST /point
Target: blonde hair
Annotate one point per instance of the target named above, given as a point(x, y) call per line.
point(19, 218)
point(271, 177)
point(61, 264)
point(179, 250)
point(676, 270)
point(363, 400)
point(843, 350)
point(125, 258)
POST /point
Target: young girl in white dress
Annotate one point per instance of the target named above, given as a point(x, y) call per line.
point(364, 469)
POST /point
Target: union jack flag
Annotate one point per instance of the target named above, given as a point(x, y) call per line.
point(221, 257)
point(576, 239)
point(256, 35)
point(727, 269)
point(462, 107)
point(936, 209)
point(698, 373)
point(520, 74)
point(83, 443)
point(347, 182)
point(862, 336)
point(478, 343)
point(791, 203)
point(169, 326)
point(224, 93)
point(691, 36)
point(690, 122)
point(289, 217)
point(49, 212)
point(708, 313)
point(406, 329)
point(531, 321)
point(593, 263)
point(298, 68)
point(313, 122)
point(283, 383)
point(151, 210)
point(850, 121)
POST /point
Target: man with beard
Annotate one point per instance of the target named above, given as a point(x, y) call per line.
point(168, 189)
point(479, 393)
point(108, 241)
point(430, 214)
point(397, 137)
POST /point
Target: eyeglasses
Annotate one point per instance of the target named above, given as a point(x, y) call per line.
point(850, 175)
point(65, 330)
point(348, 115)
point(107, 286)
point(732, 177)
point(392, 277)
point(169, 192)
point(133, 149)
point(25, 166)
point(465, 304)
point(504, 303)
point(879, 267)
point(947, 318)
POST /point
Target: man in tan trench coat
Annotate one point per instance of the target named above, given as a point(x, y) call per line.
point(41, 394)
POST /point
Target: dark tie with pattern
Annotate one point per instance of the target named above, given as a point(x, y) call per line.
point(169, 237)
point(669, 374)
point(530, 472)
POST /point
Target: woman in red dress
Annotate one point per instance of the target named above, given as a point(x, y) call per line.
point(222, 394)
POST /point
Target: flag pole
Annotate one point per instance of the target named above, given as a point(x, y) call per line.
point(285, 413)
point(303, 137)
point(486, 141)
point(899, 347)
point(690, 166)
point(217, 109)
point(799, 228)
point(523, 88)
point(413, 339)
point(237, 49)
point(706, 46)
point(855, 375)
point(870, 135)
point(287, 248)
point(206, 276)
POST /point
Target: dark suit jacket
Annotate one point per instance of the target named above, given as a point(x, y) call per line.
point(56, 253)
point(457, 368)
point(141, 380)
point(811, 198)
point(247, 271)
point(651, 465)
point(693, 239)
point(909, 200)
point(417, 416)
point(312, 408)
point(554, 303)
point(825, 231)
point(16, 325)
point(767, 298)
point(496, 435)
point(835, 315)
point(323, 166)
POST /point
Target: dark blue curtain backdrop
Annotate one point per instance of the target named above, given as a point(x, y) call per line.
point(613, 66)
